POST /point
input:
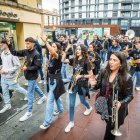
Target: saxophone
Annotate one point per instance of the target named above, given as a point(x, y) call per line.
point(20, 71)
point(133, 63)
point(73, 82)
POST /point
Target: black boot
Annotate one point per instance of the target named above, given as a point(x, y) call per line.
point(0, 97)
point(11, 94)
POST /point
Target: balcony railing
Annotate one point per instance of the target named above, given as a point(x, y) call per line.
point(126, 1)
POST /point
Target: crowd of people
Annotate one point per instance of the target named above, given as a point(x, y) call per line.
point(101, 63)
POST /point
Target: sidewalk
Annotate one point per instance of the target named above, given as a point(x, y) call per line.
point(92, 127)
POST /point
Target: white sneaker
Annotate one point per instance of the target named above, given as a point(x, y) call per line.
point(26, 116)
point(41, 100)
point(42, 82)
point(88, 111)
point(55, 113)
point(25, 99)
point(26, 84)
point(5, 108)
point(44, 126)
point(69, 127)
point(138, 88)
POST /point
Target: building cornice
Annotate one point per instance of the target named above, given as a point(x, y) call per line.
point(21, 6)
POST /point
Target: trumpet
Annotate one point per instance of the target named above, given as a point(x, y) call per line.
point(20, 71)
point(114, 116)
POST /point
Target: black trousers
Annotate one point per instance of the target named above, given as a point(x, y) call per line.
point(108, 135)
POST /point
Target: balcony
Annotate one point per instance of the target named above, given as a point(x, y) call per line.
point(137, 1)
point(126, 1)
point(126, 8)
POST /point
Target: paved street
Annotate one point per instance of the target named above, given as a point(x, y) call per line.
point(86, 128)
point(92, 127)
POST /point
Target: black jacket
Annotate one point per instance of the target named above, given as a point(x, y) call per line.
point(33, 61)
point(63, 45)
point(123, 98)
point(98, 46)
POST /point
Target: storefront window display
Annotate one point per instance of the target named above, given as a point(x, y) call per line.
point(8, 29)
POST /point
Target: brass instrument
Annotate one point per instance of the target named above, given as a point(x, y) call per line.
point(114, 116)
point(133, 63)
point(73, 82)
point(130, 33)
point(124, 51)
point(20, 71)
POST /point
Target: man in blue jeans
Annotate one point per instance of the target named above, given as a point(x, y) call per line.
point(8, 70)
point(30, 71)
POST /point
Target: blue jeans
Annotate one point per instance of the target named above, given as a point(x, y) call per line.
point(50, 104)
point(10, 84)
point(103, 55)
point(41, 71)
point(64, 70)
point(72, 97)
point(33, 87)
point(137, 74)
point(128, 60)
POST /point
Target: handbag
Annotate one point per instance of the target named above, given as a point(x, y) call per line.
point(101, 107)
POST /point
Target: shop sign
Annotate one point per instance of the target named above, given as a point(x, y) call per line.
point(8, 14)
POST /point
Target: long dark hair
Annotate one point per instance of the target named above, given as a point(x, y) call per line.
point(122, 73)
point(84, 54)
point(59, 50)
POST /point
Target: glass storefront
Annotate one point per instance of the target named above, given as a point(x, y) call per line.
point(8, 28)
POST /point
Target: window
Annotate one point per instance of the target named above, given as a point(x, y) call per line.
point(115, 0)
point(126, 14)
point(135, 23)
point(72, 15)
point(105, 14)
point(80, 2)
point(114, 21)
point(135, 14)
point(124, 22)
point(136, 6)
point(135, 0)
point(115, 6)
point(106, 6)
point(48, 20)
point(96, 21)
point(72, 9)
point(127, 7)
point(80, 15)
point(67, 16)
point(80, 8)
point(114, 14)
point(72, 3)
point(105, 21)
point(101, 1)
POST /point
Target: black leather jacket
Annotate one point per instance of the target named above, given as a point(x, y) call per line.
point(125, 99)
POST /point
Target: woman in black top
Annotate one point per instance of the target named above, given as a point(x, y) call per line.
point(81, 72)
point(56, 86)
point(115, 75)
point(94, 58)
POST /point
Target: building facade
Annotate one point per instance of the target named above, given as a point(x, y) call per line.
point(51, 17)
point(21, 19)
point(124, 13)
